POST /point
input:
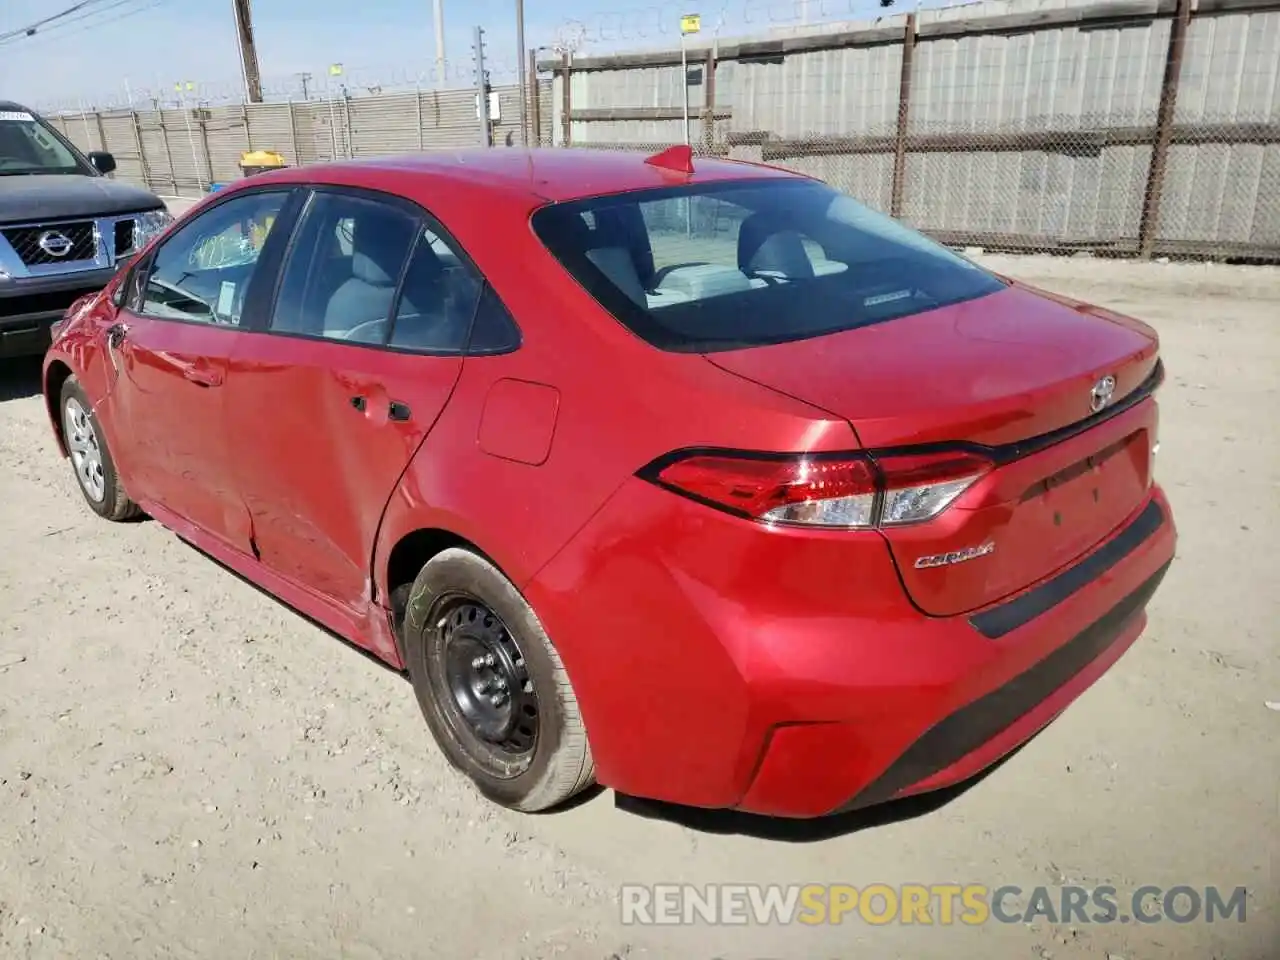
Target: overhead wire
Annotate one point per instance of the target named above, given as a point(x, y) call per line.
point(59, 30)
point(46, 37)
point(34, 27)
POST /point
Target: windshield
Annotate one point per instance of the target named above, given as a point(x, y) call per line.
point(27, 146)
point(728, 265)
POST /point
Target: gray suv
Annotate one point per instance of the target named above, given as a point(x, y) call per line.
point(64, 226)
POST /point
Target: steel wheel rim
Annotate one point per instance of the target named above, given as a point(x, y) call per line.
point(85, 449)
point(483, 683)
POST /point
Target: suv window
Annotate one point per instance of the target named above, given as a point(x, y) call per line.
point(203, 271)
point(735, 264)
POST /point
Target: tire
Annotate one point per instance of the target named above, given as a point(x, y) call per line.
point(461, 610)
point(94, 468)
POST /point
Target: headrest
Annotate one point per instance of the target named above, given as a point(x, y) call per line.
point(365, 268)
point(379, 248)
point(616, 264)
point(784, 254)
point(767, 243)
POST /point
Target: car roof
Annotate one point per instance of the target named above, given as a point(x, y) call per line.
point(543, 174)
point(11, 107)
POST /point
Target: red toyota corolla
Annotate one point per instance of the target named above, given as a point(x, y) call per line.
point(697, 479)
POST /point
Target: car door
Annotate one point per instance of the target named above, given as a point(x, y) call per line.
point(170, 347)
point(332, 396)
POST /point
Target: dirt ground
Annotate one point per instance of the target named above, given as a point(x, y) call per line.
point(188, 769)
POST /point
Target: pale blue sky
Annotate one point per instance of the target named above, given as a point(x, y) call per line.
point(104, 57)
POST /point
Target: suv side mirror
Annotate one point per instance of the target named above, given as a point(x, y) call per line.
point(102, 161)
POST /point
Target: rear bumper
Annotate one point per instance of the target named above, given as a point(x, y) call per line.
point(30, 306)
point(984, 730)
point(719, 666)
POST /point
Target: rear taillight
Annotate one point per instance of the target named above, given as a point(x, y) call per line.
point(849, 491)
point(919, 487)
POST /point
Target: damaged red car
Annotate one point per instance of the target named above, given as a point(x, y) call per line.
point(694, 478)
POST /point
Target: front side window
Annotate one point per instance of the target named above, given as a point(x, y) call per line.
point(203, 271)
point(27, 146)
point(735, 264)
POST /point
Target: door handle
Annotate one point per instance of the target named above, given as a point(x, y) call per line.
point(398, 411)
point(359, 403)
point(202, 376)
point(116, 334)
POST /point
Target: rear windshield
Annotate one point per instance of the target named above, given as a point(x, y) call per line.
point(728, 265)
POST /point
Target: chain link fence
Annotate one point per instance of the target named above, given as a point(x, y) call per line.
point(1148, 128)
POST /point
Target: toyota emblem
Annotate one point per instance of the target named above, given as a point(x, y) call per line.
point(55, 244)
point(1102, 393)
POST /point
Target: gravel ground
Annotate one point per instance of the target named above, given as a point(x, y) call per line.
point(187, 769)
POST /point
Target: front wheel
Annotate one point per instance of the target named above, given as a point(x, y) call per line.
point(95, 470)
point(491, 685)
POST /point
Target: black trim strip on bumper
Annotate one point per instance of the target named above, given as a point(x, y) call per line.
point(998, 621)
point(964, 731)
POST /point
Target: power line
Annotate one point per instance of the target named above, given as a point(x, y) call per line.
point(32, 28)
point(59, 31)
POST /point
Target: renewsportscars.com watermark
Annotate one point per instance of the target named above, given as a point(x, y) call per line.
point(940, 904)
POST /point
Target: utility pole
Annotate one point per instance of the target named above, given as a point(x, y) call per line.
point(689, 23)
point(441, 80)
point(305, 78)
point(248, 52)
point(524, 93)
point(482, 88)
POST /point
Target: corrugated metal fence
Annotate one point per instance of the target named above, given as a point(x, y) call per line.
point(179, 152)
point(1141, 126)
point(1148, 127)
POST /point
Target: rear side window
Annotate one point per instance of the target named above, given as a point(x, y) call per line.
point(437, 301)
point(343, 270)
point(366, 271)
point(729, 265)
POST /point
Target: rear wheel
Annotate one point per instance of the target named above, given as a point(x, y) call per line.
point(94, 468)
point(491, 685)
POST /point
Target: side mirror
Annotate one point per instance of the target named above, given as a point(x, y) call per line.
point(102, 162)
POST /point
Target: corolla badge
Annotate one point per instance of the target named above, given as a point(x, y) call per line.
point(1102, 393)
point(956, 556)
point(55, 244)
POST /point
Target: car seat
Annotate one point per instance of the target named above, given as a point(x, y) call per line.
point(768, 247)
point(378, 251)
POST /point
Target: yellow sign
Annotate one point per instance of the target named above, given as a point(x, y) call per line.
point(691, 23)
point(335, 69)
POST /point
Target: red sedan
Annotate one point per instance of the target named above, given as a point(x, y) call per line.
point(697, 479)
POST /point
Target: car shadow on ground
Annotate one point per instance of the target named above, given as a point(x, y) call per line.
point(696, 818)
point(804, 831)
point(19, 378)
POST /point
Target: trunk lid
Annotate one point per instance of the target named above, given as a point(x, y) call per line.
point(1015, 372)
